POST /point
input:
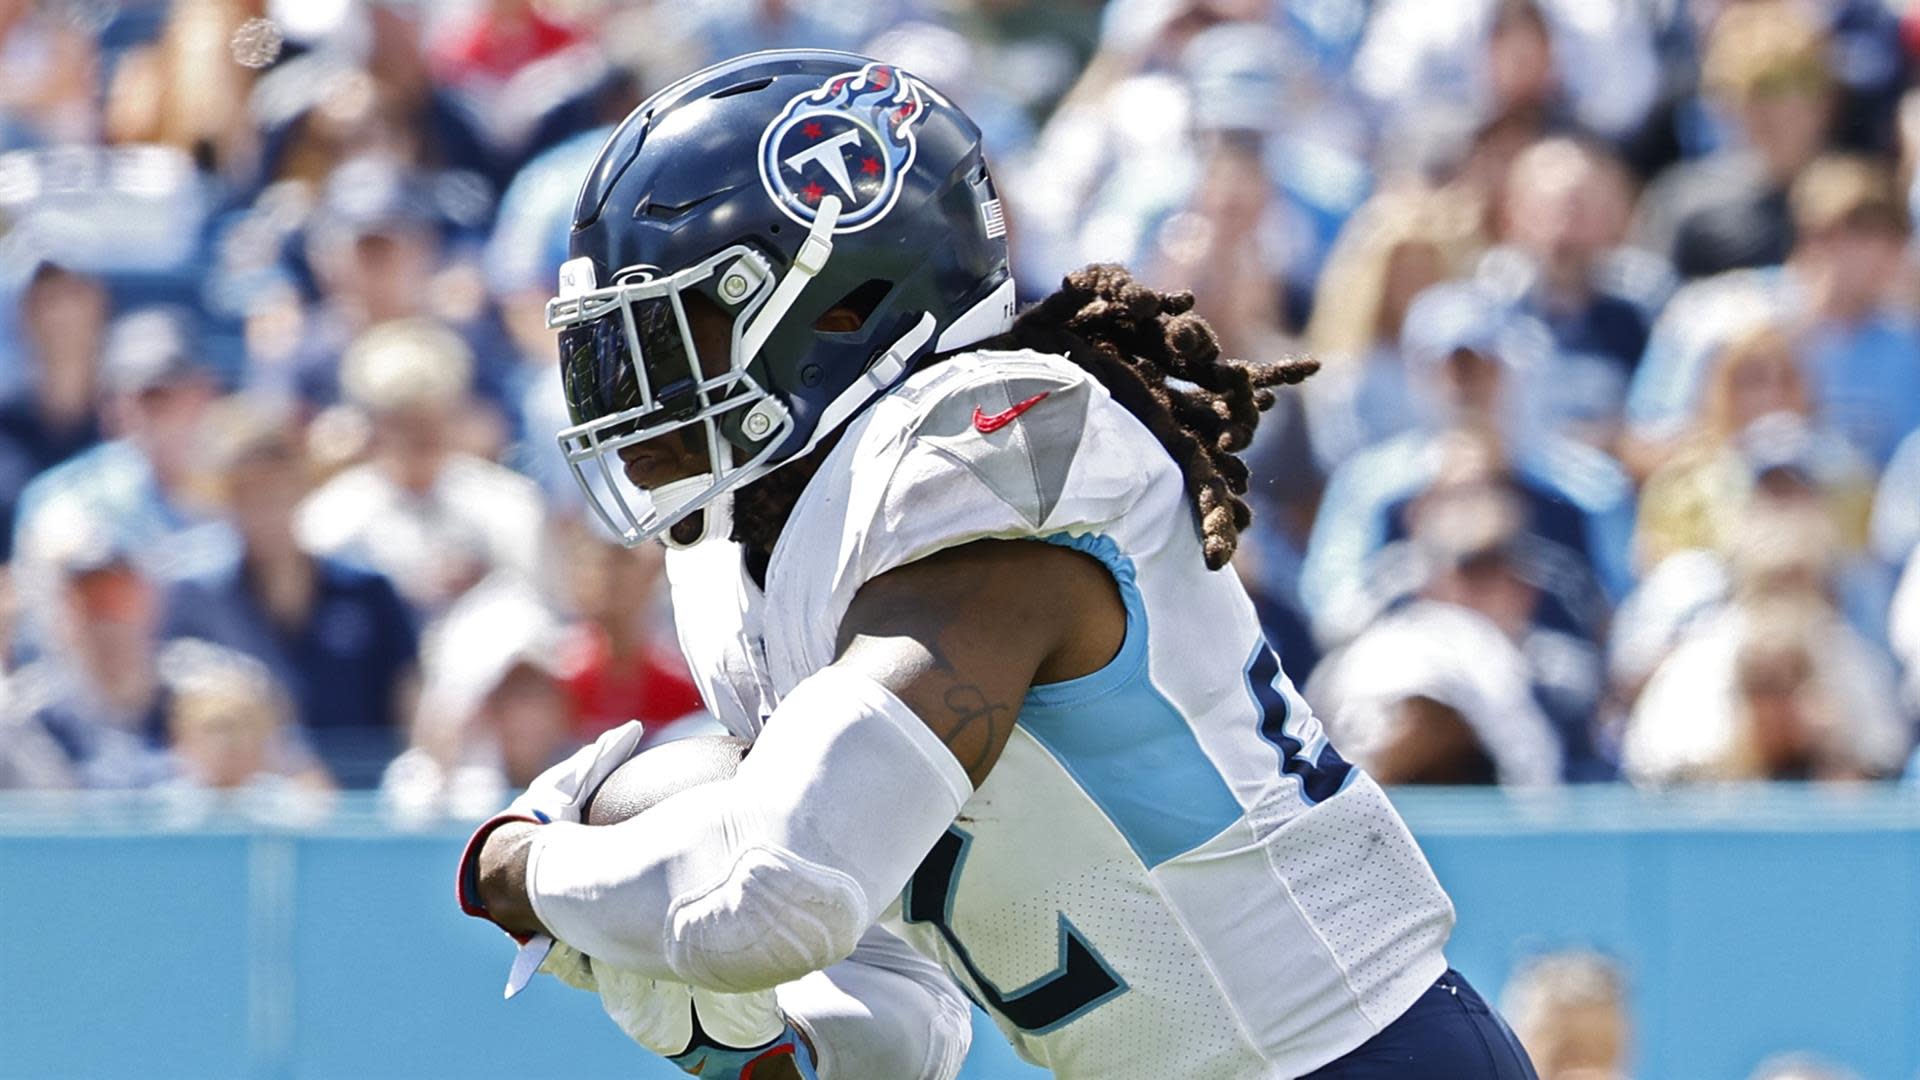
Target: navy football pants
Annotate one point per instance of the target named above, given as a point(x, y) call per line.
point(1449, 1034)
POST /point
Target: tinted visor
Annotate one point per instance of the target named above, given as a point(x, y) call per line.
point(599, 373)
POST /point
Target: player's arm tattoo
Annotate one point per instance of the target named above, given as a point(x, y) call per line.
point(920, 651)
point(978, 727)
point(958, 638)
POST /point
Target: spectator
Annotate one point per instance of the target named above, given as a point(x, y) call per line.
point(95, 703)
point(1774, 685)
point(497, 39)
point(1392, 250)
point(139, 485)
point(229, 725)
point(1860, 355)
point(1786, 721)
point(337, 636)
point(359, 82)
point(375, 248)
point(1435, 694)
point(1475, 367)
point(189, 89)
point(619, 661)
point(1243, 237)
point(493, 714)
point(432, 518)
point(1469, 648)
point(421, 121)
point(1102, 186)
point(1865, 367)
point(1778, 469)
point(1753, 428)
point(1562, 222)
point(530, 75)
point(55, 416)
point(1470, 536)
point(1570, 1011)
point(1767, 66)
point(1268, 184)
point(49, 71)
point(1213, 242)
point(1571, 62)
point(1873, 69)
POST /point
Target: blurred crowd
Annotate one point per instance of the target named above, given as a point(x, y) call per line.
point(1611, 472)
point(1573, 1010)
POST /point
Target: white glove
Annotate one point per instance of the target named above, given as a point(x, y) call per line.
point(705, 1032)
point(659, 1014)
point(570, 966)
point(558, 793)
point(554, 795)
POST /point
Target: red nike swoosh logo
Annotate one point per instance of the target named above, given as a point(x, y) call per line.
point(987, 425)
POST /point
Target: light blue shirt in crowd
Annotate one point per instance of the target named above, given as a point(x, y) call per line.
point(1355, 514)
point(1863, 378)
point(115, 488)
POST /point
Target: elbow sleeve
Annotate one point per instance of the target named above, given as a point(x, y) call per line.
point(774, 918)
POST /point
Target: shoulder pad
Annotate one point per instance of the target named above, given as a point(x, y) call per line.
point(1014, 420)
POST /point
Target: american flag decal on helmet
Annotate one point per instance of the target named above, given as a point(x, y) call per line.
point(995, 218)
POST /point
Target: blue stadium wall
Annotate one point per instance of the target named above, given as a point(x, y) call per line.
point(1748, 921)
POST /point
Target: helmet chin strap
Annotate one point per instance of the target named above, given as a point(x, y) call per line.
point(669, 499)
point(715, 518)
point(807, 262)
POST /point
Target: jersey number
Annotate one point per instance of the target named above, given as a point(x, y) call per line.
point(1081, 980)
point(1304, 749)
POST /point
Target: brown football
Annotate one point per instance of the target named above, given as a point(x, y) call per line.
point(667, 769)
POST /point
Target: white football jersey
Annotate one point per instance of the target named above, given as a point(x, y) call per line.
point(1169, 873)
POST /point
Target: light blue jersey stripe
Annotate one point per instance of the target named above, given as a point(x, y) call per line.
point(1125, 744)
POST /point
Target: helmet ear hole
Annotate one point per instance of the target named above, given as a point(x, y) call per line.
point(850, 312)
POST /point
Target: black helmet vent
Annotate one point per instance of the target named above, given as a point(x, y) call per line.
point(747, 87)
point(668, 211)
point(865, 298)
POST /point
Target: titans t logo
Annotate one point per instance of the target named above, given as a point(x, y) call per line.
point(852, 138)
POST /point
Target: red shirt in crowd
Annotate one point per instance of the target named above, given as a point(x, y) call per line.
point(494, 48)
point(650, 685)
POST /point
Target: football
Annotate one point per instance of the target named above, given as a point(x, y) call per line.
point(654, 774)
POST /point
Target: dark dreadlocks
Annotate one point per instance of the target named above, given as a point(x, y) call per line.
point(1156, 357)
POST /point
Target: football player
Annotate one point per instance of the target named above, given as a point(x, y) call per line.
point(962, 577)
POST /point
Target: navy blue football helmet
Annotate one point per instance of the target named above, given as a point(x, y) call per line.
point(778, 186)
